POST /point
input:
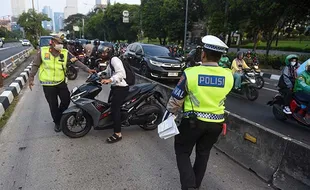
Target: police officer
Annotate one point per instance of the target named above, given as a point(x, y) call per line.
point(51, 63)
point(201, 93)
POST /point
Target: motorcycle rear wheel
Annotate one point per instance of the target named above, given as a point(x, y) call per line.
point(72, 134)
point(156, 117)
point(72, 73)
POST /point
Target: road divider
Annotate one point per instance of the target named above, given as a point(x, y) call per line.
point(279, 160)
point(12, 91)
point(9, 64)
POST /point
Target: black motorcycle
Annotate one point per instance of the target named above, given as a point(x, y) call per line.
point(141, 107)
point(260, 82)
point(248, 86)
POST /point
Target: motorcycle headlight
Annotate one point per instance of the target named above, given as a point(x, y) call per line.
point(253, 80)
point(256, 67)
point(156, 63)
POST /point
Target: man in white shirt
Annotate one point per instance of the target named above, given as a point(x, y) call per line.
point(119, 88)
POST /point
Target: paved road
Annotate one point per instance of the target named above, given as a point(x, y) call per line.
point(271, 52)
point(34, 157)
point(259, 112)
point(11, 49)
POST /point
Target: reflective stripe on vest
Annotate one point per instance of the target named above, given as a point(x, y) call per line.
point(52, 70)
point(209, 86)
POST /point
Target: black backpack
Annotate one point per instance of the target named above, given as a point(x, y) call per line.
point(130, 73)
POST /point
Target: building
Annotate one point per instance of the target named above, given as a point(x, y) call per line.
point(102, 4)
point(48, 25)
point(6, 24)
point(59, 21)
point(18, 7)
point(71, 8)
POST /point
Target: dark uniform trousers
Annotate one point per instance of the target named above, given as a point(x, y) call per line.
point(204, 135)
point(51, 94)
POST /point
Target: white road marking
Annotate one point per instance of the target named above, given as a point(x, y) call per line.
point(272, 90)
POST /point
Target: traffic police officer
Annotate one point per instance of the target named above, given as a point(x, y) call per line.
point(201, 92)
point(52, 63)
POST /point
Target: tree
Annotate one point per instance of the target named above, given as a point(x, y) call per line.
point(74, 20)
point(31, 22)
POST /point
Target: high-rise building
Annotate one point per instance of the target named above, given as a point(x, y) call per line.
point(71, 8)
point(48, 25)
point(102, 4)
point(59, 21)
point(18, 7)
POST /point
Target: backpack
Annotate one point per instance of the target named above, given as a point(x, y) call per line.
point(130, 74)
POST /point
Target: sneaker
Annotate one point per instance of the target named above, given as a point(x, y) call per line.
point(287, 110)
point(57, 128)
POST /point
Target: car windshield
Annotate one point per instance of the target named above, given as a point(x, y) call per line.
point(156, 51)
point(45, 42)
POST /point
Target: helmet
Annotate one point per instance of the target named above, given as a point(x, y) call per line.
point(57, 39)
point(107, 49)
point(289, 57)
point(239, 53)
point(96, 42)
point(213, 43)
point(248, 52)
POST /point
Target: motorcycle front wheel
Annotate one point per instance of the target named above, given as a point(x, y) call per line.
point(72, 73)
point(73, 128)
point(251, 93)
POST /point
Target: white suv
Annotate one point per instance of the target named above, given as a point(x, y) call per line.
point(1, 43)
point(25, 43)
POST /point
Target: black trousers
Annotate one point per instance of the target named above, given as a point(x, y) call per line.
point(306, 97)
point(203, 136)
point(51, 94)
point(288, 94)
point(117, 97)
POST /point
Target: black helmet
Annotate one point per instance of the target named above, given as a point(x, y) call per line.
point(96, 42)
point(106, 48)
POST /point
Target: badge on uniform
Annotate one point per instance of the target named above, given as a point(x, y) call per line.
point(211, 81)
point(47, 56)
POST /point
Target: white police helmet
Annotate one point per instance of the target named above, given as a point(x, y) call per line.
point(214, 43)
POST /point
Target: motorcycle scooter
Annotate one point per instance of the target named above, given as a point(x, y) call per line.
point(141, 107)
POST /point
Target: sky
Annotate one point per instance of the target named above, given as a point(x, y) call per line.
point(84, 6)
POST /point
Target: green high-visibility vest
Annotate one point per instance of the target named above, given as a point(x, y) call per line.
point(52, 70)
point(208, 87)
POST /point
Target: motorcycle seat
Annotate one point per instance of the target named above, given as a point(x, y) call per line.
point(300, 100)
point(139, 88)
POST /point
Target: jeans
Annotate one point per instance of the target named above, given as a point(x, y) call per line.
point(51, 94)
point(237, 78)
point(117, 96)
point(203, 136)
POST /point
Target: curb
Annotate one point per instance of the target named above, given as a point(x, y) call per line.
point(270, 76)
point(13, 90)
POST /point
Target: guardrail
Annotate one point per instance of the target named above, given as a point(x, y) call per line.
point(7, 64)
point(279, 160)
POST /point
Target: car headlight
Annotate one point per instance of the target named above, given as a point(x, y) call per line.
point(183, 64)
point(156, 63)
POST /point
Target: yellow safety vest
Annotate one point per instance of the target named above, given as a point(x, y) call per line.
point(52, 70)
point(208, 87)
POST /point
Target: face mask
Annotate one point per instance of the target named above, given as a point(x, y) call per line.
point(293, 63)
point(58, 47)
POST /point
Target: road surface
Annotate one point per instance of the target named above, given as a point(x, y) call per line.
point(11, 49)
point(259, 112)
point(34, 157)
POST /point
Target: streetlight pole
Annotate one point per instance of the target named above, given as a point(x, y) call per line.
point(33, 5)
point(185, 27)
point(83, 28)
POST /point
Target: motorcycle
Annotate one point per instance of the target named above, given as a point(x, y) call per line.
point(248, 86)
point(259, 79)
point(296, 105)
point(141, 107)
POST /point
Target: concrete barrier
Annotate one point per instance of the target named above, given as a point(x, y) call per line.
point(277, 159)
point(9, 64)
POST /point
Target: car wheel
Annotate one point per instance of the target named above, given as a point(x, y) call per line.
point(144, 71)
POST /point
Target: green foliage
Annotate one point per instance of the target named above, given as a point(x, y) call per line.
point(31, 22)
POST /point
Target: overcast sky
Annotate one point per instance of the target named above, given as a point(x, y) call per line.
point(57, 5)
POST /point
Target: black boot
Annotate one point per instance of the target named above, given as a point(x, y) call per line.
point(57, 128)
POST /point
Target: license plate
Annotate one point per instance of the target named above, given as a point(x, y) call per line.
point(103, 64)
point(172, 74)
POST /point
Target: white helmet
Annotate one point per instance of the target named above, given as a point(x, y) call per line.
point(214, 43)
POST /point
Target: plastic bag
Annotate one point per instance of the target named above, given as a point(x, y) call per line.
point(168, 128)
